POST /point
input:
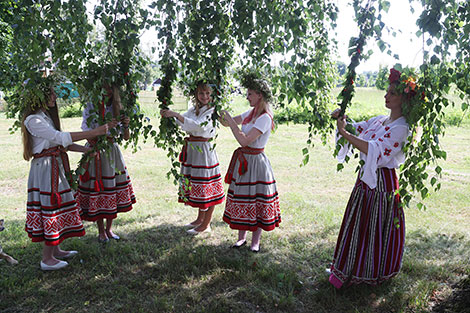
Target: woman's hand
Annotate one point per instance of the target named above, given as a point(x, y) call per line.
point(225, 117)
point(335, 113)
point(341, 125)
point(103, 129)
point(168, 113)
point(125, 121)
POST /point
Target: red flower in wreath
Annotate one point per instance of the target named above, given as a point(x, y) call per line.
point(396, 144)
point(387, 135)
point(387, 151)
point(360, 129)
point(387, 128)
point(373, 136)
point(394, 76)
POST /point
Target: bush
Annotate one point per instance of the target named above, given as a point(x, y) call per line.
point(73, 109)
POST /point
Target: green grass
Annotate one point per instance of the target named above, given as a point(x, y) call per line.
point(156, 267)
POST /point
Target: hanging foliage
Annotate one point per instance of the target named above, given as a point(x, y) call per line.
point(286, 41)
point(445, 23)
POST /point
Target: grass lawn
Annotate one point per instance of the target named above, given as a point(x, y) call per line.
point(156, 267)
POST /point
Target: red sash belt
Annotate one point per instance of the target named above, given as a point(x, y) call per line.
point(98, 172)
point(55, 152)
point(184, 152)
point(238, 154)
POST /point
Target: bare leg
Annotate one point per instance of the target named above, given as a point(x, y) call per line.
point(59, 253)
point(241, 238)
point(199, 219)
point(48, 255)
point(8, 258)
point(109, 232)
point(256, 239)
point(101, 233)
point(206, 222)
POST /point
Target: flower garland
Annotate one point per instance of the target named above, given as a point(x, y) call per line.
point(414, 93)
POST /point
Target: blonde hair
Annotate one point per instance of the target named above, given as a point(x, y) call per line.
point(201, 85)
point(264, 104)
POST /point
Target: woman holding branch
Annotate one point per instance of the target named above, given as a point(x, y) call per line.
point(252, 199)
point(105, 188)
point(201, 183)
point(52, 212)
point(370, 243)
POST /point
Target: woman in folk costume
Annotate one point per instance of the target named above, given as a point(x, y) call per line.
point(52, 213)
point(201, 184)
point(372, 235)
point(105, 188)
point(252, 199)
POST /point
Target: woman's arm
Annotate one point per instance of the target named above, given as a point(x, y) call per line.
point(242, 138)
point(89, 134)
point(170, 113)
point(358, 143)
point(237, 119)
point(78, 148)
point(125, 125)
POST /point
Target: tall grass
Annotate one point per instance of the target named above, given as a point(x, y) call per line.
point(156, 267)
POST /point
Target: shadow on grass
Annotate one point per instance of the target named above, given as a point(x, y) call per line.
point(162, 269)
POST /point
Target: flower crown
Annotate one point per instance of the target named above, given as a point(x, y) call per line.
point(406, 85)
point(251, 81)
point(414, 93)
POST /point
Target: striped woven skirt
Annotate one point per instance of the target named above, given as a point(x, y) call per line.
point(112, 194)
point(372, 235)
point(47, 221)
point(252, 198)
point(201, 184)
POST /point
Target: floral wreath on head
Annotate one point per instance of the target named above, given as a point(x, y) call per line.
point(414, 93)
point(252, 81)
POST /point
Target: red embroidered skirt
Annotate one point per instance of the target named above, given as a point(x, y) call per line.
point(46, 220)
point(252, 198)
point(201, 185)
point(110, 196)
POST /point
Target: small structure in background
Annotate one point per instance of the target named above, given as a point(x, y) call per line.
point(156, 84)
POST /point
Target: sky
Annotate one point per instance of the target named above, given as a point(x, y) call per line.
point(405, 44)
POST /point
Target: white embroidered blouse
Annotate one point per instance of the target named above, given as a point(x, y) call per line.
point(385, 143)
point(201, 125)
point(44, 134)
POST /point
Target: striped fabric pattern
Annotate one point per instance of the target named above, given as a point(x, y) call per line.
point(252, 198)
point(51, 223)
point(372, 235)
point(202, 185)
point(118, 194)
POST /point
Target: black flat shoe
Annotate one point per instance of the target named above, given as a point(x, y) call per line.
point(235, 246)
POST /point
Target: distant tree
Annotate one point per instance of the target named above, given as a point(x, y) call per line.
point(361, 80)
point(381, 81)
point(341, 67)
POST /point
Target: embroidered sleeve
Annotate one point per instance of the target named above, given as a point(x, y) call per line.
point(382, 150)
point(362, 127)
point(346, 149)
